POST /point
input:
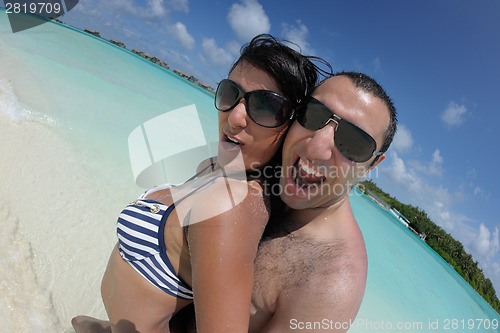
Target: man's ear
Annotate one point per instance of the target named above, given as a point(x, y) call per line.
point(377, 160)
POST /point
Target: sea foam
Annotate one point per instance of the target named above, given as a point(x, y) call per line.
point(10, 106)
point(9, 103)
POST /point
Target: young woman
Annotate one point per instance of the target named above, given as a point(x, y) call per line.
point(198, 242)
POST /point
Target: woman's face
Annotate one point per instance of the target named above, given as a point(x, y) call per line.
point(239, 133)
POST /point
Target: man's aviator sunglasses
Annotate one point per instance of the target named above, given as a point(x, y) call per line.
point(355, 144)
point(264, 107)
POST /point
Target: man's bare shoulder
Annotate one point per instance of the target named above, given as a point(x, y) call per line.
point(300, 275)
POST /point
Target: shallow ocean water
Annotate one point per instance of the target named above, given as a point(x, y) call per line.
point(69, 107)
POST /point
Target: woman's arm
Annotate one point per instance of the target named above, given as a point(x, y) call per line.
point(223, 249)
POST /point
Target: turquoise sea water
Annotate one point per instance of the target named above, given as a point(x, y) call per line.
point(409, 285)
point(74, 114)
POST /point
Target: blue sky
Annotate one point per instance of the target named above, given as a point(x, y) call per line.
point(439, 60)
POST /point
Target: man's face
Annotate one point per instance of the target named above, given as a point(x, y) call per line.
point(315, 173)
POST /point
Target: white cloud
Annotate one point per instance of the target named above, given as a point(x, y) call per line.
point(487, 243)
point(481, 192)
point(179, 5)
point(398, 170)
point(248, 19)
point(131, 33)
point(156, 8)
point(297, 34)
point(214, 54)
point(122, 5)
point(88, 7)
point(433, 168)
point(136, 20)
point(454, 115)
point(403, 139)
point(179, 32)
point(484, 245)
point(436, 164)
point(151, 10)
point(436, 200)
point(234, 48)
point(148, 10)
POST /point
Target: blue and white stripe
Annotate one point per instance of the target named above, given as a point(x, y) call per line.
point(141, 243)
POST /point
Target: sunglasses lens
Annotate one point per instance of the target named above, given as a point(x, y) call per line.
point(227, 95)
point(313, 115)
point(268, 109)
point(354, 143)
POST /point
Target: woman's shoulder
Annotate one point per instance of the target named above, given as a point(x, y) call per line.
point(228, 198)
point(233, 192)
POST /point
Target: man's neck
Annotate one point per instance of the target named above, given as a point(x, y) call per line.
point(300, 218)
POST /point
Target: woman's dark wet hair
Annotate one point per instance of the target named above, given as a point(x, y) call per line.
point(295, 74)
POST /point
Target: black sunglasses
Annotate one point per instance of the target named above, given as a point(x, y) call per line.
point(352, 142)
point(265, 107)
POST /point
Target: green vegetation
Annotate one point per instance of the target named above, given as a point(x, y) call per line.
point(442, 242)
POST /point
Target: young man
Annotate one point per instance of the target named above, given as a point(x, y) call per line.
point(311, 268)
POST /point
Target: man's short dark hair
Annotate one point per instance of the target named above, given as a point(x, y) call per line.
point(369, 85)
